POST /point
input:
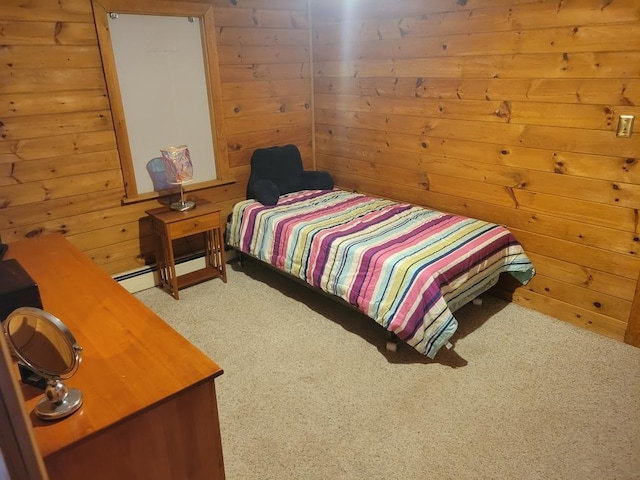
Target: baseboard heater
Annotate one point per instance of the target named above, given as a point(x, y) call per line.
point(147, 276)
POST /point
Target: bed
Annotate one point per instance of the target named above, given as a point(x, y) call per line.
point(406, 267)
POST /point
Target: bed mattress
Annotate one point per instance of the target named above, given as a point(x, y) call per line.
point(406, 267)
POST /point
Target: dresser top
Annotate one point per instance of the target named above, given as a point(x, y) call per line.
point(131, 358)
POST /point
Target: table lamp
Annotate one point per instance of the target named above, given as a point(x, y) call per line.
point(179, 170)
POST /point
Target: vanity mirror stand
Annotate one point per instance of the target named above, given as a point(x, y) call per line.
point(44, 345)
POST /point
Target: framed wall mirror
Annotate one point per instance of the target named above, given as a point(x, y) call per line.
point(161, 68)
point(19, 453)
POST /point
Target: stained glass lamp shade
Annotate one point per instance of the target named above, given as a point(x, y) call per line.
point(179, 170)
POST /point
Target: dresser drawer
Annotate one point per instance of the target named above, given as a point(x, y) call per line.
point(194, 225)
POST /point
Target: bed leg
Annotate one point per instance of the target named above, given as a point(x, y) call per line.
point(392, 342)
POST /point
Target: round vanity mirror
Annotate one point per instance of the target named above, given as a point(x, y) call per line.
point(46, 346)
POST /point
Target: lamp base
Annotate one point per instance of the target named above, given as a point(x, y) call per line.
point(182, 206)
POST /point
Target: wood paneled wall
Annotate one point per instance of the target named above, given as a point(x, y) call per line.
point(264, 50)
point(59, 165)
point(504, 110)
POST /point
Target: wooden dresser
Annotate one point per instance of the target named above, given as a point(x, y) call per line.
point(150, 408)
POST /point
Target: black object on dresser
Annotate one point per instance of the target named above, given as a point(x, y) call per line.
point(17, 288)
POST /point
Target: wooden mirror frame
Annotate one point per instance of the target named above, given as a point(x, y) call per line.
point(18, 448)
point(202, 11)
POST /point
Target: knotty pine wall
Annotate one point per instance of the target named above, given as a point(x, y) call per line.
point(504, 110)
point(59, 166)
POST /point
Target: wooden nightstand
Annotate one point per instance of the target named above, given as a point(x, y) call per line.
point(169, 225)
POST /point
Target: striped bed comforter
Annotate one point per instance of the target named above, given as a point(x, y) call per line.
point(402, 265)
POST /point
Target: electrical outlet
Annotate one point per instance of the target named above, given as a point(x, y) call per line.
point(625, 126)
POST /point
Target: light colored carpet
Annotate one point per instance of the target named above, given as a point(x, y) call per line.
point(309, 391)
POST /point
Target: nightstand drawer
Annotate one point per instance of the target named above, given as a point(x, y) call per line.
point(194, 225)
